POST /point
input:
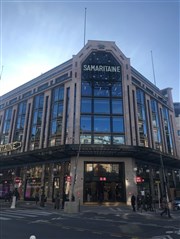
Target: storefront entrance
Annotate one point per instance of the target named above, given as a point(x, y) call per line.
point(104, 182)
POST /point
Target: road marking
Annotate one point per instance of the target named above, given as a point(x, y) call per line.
point(162, 237)
point(36, 212)
point(5, 218)
point(37, 221)
point(57, 218)
point(20, 214)
point(10, 215)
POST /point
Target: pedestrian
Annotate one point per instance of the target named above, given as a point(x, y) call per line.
point(43, 198)
point(133, 202)
point(139, 202)
point(16, 194)
point(63, 200)
point(37, 197)
point(57, 201)
point(165, 206)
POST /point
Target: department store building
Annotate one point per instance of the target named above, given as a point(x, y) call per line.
point(92, 128)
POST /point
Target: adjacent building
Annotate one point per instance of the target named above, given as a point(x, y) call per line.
point(177, 118)
point(93, 129)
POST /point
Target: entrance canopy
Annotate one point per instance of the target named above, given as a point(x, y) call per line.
point(64, 152)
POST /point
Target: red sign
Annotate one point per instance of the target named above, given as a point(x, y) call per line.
point(139, 180)
point(17, 180)
point(102, 178)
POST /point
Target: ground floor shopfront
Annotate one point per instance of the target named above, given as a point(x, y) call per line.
point(90, 179)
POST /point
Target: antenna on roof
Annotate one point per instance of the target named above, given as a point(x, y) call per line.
point(85, 27)
point(153, 68)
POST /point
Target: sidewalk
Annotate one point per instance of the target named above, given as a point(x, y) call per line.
point(89, 209)
point(104, 209)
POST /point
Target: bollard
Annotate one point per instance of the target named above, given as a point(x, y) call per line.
point(13, 205)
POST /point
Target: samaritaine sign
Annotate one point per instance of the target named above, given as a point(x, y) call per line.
point(101, 68)
point(10, 147)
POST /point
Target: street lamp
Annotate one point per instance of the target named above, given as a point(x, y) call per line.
point(75, 168)
point(165, 184)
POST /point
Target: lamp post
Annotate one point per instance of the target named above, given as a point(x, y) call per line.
point(75, 170)
point(165, 184)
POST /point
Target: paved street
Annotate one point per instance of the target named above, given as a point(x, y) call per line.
point(92, 222)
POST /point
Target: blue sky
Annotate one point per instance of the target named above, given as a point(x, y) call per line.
point(39, 35)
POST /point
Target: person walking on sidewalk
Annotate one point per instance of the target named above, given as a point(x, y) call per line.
point(57, 201)
point(37, 197)
point(165, 206)
point(133, 202)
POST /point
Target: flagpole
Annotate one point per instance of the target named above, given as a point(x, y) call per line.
point(85, 27)
point(153, 68)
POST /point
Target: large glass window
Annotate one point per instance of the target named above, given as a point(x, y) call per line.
point(101, 106)
point(101, 124)
point(117, 107)
point(167, 130)
point(142, 122)
point(19, 129)
point(116, 90)
point(86, 105)
point(86, 89)
point(101, 92)
point(99, 139)
point(118, 139)
point(36, 122)
point(118, 125)
point(56, 116)
point(6, 126)
point(155, 124)
point(86, 123)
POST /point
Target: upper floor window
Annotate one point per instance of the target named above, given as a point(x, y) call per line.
point(101, 106)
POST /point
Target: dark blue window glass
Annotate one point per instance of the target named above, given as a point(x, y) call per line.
point(61, 93)
point(55, 110)
point(56, 93)
point(35, 117)
point(86, 89)
point(60, 110)
point(116, 90)
point(101, 106)
point(101, 91)
point(53, 127)
point(118, 125)
point(86, 106)
point(101, 124)
point(117, 107)
point(86, 123)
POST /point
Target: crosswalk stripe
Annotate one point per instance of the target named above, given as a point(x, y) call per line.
point(30, 212)
point(5, 218)
point(36, 212)
point(10, 215)
point(22, 214)
point(19, 214)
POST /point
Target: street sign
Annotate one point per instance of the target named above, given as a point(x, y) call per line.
point(10, 147)
point(139, 179)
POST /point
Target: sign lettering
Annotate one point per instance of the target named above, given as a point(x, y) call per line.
point(10, 147)
point(101, 68)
